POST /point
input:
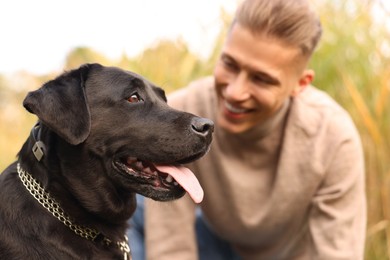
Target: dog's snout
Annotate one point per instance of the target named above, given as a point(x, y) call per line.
point(202, 126)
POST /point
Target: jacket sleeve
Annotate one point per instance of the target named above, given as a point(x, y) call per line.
point(170, 230)
point(337, 218)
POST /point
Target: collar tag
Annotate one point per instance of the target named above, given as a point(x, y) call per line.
point(38, 150)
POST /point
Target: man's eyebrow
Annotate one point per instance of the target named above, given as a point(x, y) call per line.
point(227, 56)
point(267, 77)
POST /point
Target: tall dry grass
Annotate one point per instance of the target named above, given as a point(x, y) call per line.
point(353, 65)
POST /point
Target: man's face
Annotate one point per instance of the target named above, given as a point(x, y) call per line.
point(254, 76)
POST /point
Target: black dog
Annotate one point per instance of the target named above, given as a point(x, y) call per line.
point(103, 135)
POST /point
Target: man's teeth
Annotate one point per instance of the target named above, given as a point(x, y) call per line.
point(233, 109)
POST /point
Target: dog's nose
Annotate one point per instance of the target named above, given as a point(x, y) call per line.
point(202, 126)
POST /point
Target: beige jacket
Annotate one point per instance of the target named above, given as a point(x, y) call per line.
point(292, 188)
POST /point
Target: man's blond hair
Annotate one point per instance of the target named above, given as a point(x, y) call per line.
point(291, 21)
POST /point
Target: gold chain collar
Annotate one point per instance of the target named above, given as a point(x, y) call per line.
point(44, 198)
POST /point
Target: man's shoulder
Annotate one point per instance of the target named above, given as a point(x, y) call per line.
point(205, 82)
point(195, 87)
point(197, 97)
point(314, 110)
point(318, 100)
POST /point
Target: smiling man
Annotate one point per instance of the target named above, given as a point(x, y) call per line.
point(253, 83)
point(284, 178)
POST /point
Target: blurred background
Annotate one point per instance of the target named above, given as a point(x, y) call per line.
point(172, 42)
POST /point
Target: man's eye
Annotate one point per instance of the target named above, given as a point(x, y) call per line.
point(259, 79)
point(229, 65)
point(134, 98)
point(264, 80)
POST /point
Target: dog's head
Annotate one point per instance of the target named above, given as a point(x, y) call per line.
point(121, 122)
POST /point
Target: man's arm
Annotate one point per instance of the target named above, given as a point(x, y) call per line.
point(337, 219)
point(169, 229)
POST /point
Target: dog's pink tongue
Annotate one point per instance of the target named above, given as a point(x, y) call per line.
point(186, 178)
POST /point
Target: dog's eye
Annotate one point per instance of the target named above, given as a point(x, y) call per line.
point(134, 98)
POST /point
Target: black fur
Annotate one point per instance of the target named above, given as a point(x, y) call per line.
point(89, 128)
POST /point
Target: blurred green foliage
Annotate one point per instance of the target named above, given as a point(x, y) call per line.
point(352, 64)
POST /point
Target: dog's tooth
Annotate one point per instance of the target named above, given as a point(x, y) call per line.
point(175, 183)
point(147, 170)
point(139, 165)
point(131, 160)
point(169, 178)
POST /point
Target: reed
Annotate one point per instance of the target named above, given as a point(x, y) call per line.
point(353, 65)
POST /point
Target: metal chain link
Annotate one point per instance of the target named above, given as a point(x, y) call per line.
point(49, 203)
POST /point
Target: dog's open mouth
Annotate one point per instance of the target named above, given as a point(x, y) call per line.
point(164, 176)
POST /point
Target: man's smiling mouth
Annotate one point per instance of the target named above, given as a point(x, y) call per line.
point(235, 110)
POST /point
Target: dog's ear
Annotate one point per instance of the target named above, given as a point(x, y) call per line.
point(61, 104)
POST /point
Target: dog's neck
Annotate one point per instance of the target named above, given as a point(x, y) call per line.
point(45, 199)
point(62, 168)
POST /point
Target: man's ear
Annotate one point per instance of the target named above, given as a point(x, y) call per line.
point(61, 105)
point(305, 80)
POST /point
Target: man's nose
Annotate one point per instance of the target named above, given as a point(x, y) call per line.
point(238, 88)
